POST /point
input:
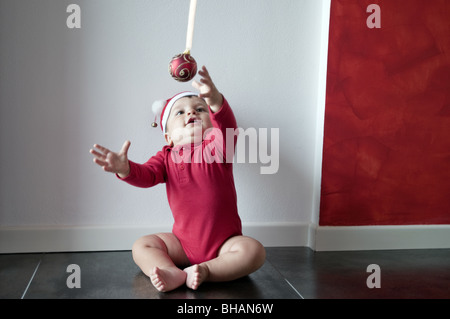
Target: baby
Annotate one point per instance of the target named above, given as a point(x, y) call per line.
point(206, 243)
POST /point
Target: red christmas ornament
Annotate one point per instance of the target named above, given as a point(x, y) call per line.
point(183, 67)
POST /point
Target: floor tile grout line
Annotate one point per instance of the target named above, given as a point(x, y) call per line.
point(31, 279)
point(276, 269)
point(294, 288)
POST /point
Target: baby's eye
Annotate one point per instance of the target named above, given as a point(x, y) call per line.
point(201, 109)
point(179, 113)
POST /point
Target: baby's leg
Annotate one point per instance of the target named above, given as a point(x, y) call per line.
point(158, 257)
point(239, 256)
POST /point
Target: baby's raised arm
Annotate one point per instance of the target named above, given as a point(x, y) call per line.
point(112, 162)
point(208, 90)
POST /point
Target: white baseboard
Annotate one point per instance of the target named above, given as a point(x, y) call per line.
point(382, 237)
point(321, 238)
point(102, 238)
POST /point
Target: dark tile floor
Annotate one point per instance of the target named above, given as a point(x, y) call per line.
point(288, 273)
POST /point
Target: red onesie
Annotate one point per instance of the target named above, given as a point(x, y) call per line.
point(201, 191)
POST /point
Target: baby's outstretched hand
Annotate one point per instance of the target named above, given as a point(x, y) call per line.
point(111, 161)
point(208, 90)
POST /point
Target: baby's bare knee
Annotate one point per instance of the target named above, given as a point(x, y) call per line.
point(259, 254)
point(146, 242)
point(255, 252)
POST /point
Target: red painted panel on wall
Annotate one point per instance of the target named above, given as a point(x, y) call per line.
point(386, 156)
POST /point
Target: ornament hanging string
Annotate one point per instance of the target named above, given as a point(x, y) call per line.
point(191, 24)
point(183, 66)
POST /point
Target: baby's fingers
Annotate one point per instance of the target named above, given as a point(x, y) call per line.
point(125, 147)
point(102, 149)
point(196, 85)
point(96, 154)
point(204, 89)
point(100, 162)
point(204, 73)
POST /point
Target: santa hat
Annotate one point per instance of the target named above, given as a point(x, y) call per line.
point(161, 108)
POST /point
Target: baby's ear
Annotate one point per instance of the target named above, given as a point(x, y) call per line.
point(168, 139)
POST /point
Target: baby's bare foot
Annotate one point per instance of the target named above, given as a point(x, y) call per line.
point(167, 279)
point(196, 275)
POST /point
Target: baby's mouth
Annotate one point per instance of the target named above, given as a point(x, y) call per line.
point(192, 120)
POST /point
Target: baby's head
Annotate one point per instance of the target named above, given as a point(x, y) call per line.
point(184, 119)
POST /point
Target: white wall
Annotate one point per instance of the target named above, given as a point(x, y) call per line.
point(62, 90)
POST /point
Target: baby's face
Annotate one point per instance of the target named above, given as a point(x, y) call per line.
point(188, 120)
